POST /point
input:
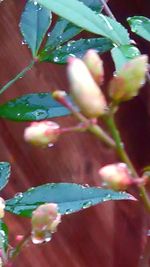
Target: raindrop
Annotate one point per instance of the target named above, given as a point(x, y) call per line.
point(48, 34)
point(68, 211)
point(19, 195)
point(50, 145)
point(148, 233)
point(87, 204)
point(56, 59)
point(35, 3)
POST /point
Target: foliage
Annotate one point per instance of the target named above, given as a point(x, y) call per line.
point(57, 41)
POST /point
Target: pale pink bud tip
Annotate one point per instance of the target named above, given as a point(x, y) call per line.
point(95, 65)
point(129, 79)
point(116, 176)
point(42, 133)
point(85, 91)
point(45, 220)
point(2, 207)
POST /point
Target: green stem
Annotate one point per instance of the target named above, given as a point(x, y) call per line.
point(18, 76)
point(19, 247)
point(110, 121)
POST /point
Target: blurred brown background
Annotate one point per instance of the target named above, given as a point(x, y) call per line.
point(111, 234)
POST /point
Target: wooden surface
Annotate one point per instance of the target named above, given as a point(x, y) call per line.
point(109, 235)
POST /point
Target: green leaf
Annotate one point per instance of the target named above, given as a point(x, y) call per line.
point(82, 16)
point(32, 107)
point(77, 49)
point(4, 174)
point(140, 25)
point(123, 54)
point(69, 197)
point(64, 30)
point(35, 21)
point(3, 236)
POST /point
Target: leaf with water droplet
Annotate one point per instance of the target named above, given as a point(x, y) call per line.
point(82, 16)
point(3, 236)
point(4, 174)
point(64, 30)
point(76, 49)
point(70, 198)
point(122, 54)
point(141, 26)
point(35, 21)
point(33, 107)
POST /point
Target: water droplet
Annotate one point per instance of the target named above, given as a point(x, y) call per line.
point(35, 3)
point(148, 232)
point(48, 34)
point(50, 145)
point(68, 211)
point(56, 59)
point(87, 204)
point(19, 195)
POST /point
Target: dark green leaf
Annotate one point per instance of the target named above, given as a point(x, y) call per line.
point(69, 197)
point(77, 49)
point(35, 21)
point(82, 16)
point(123, 54)
point(32, 107)
point(3, 236)
point(64, 30)
point(4, 174)
point(141, 26)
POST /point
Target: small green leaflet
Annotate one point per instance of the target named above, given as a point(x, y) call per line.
point(35, 21)
point(4, 174)
point(83, 17)
point(76, 49)
point(70, 198)
point(3, 236)
point(123, 54)
point(141, 26)
point(32, 107)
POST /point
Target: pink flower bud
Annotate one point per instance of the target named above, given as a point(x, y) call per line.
point(85, 91)
point(129, 79)
point(45, 220)
point(95, 65)
point(2, 207)
point(42, 133)
point(116, 176)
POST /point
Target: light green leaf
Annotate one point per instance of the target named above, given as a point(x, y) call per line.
point(35, 21)
point(123, 54)
point(32, 107)
point(4, 174)
point(140, 25)
point(82, 16)
point(69, 197)
point(76, 48)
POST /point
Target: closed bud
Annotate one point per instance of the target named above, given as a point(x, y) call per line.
point(85, 91)
point(116, 176)
point(2, 207)
point(42, 134)
point(45, 220)
point(95, 65)
point(129, 79)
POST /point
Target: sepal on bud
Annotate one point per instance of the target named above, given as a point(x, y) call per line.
point(85, 91)
point(116, 176)
point(126, 84)
point(42, 133)
point(45, 220)
point(95, 65)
